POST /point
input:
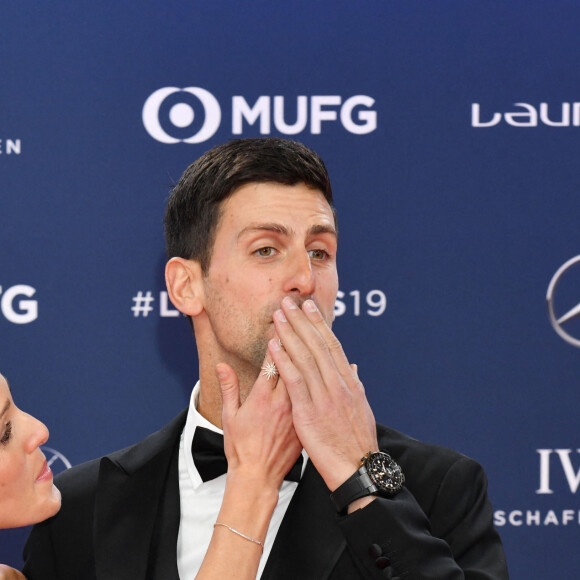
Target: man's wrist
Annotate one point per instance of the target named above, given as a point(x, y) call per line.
point(379, 474)
point(357, 486)
point(359, 504)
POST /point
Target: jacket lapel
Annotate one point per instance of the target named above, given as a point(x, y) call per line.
point(163, 554)
point(309, 542)
point(137, 491)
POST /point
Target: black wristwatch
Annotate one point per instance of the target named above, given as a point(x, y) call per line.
point(378, 475)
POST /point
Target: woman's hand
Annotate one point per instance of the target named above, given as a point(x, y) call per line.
point(261, 447)
point(259, 437)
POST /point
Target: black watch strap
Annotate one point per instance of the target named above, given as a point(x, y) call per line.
point(356, 486)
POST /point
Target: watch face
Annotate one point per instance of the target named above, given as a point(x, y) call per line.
point(384, 472)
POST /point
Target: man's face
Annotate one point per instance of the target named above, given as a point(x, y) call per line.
point(272, 241)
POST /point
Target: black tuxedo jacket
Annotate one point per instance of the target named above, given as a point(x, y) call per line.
point(120, 518)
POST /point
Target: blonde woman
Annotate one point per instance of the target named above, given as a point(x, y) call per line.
point(27, 492)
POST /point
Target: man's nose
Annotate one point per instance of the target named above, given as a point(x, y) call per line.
point(300, 278)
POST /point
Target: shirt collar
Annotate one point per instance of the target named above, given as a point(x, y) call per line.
point(194, 419)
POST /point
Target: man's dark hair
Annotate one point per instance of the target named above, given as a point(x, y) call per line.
point(193, 209)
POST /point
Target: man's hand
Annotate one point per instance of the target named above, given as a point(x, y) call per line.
point(7, 573)
point(259, 437)
point(331, 414)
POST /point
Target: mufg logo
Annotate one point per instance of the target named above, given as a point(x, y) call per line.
point(193, 114)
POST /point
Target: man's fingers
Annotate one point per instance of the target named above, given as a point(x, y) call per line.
point(334, 347)
point(313, 314)
point(314, 340)
point(230, 389)
point(303, 352)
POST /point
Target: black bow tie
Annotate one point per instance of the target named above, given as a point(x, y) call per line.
point(207, 449)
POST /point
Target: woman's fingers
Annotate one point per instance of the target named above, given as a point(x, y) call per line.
point(230, 389)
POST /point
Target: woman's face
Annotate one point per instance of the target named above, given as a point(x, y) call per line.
point(27, 494)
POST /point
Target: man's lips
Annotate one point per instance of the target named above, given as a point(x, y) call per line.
point(45, 473)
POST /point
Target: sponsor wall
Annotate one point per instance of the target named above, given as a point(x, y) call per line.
point(451, 132)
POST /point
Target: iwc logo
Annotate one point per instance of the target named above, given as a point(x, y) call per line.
point(56, 460)
point(558, 322)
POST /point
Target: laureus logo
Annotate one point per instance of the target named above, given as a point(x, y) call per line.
point(558, 322)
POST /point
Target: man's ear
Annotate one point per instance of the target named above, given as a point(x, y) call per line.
point(184, 285)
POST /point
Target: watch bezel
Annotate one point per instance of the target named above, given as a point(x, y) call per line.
point(391, 479)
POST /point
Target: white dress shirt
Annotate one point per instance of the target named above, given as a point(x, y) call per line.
point(201, 502)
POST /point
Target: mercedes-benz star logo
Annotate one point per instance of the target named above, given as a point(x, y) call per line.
point(56, 460)
point(574, 312)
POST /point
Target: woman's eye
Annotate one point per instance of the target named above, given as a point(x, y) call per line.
point(7, 433)
point(265, 252)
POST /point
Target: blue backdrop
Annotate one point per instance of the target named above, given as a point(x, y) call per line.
point(451, 132)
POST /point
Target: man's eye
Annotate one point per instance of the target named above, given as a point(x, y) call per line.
point(318, 254)
point(265, 252)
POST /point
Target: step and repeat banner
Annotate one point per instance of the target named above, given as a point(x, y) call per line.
point(451, 131)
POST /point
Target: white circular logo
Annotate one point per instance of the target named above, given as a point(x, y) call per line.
point(181, 115)
point(56, 460)
point(558, 322)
